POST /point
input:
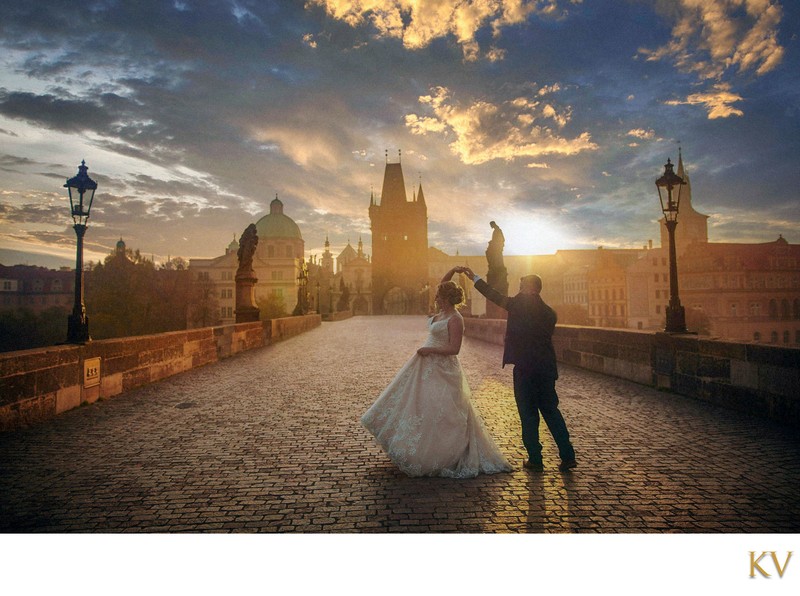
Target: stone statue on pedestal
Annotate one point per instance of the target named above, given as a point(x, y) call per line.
point(246, 309)
point(497, 276)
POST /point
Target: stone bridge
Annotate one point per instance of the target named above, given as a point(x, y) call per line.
point(269, 441)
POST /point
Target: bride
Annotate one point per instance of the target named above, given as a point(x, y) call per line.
point(424, 419)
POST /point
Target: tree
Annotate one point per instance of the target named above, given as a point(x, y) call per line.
point(203, 304)
point(271, 307)
point(573, 314)
point(23, 329)
point(126, 295)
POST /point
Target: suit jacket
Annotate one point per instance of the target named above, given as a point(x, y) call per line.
point(529, 331)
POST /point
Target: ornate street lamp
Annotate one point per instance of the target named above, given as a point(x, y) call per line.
point(302, 291)
point(81, 194)
point(676, 316)
point(319, 306)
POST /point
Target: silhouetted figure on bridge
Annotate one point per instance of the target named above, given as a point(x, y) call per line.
point(529, 347)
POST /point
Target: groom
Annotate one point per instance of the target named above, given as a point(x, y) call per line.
point(529, 347)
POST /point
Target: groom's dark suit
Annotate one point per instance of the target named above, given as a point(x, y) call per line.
point(529, 347)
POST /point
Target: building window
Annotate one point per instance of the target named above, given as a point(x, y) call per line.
point(658, 309)
point(757, 336)
point(655, 277)
point(733, 309)
point(277, 275)
point(797, 336)
point(773, 337)
point(785, 314)
point(664, 277)
point(203, 276)
point(56, 286)
point(7, 286)
point(796, 308)
point(755, 308)
point(289, 252)
point(786, 337)
point(773, 309)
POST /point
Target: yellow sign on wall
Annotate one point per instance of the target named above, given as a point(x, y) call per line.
point(91, 372)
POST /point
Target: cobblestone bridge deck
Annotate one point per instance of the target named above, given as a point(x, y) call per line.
point(270, 441)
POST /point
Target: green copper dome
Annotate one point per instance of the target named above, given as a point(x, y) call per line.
point(276, 224)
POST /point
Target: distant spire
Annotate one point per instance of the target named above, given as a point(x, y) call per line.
point(327, 243)
point(420, 194)
point(360, 248)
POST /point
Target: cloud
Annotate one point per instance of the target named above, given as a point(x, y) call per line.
point(67, 115)
point(718, 102)
point(486, 131)
point(718, 39)
point(418, 22)
point(640, 133)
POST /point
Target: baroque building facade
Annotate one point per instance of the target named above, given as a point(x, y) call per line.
point(278, 263)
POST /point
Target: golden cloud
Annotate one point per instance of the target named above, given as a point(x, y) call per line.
point(483, 131)
point(717, 102)
point(716, 38)
point(418, 22)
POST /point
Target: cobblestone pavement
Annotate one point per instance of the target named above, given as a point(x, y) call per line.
point(270, 441)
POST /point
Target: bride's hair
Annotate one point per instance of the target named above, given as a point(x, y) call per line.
point(451, 292)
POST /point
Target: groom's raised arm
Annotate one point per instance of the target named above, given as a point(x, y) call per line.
point(488, 291)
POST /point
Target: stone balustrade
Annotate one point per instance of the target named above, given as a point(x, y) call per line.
point(762, 380)
point(41, 383)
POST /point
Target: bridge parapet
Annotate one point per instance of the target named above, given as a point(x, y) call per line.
point(759, 379)
point(41, 383)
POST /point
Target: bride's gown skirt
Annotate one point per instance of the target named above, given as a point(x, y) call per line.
point(425, 420)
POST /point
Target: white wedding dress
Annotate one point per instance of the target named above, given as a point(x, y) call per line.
point(425, 421)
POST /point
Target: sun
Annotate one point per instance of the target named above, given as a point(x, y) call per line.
point(528, 235)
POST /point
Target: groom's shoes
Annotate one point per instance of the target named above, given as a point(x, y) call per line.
point(567, 464)
point(533, 466)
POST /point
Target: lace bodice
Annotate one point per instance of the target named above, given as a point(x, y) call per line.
point(438, 334)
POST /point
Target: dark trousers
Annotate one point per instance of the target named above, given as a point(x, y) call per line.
point(536, 393)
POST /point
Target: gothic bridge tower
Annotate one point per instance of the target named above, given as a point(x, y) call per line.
point(399, 246)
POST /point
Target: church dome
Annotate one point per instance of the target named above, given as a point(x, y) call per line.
point(276, 224)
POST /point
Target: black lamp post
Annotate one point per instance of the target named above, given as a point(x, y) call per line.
point(319, 306)
point(676, 316)
point(81, 194)
point(302, 291)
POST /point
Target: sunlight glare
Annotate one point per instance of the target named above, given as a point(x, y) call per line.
point(531, 235)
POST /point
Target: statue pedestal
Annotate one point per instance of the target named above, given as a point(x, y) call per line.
point(246, 309)
point(498, 279)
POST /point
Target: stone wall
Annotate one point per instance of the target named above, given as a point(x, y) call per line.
point(759, 379)
point(338, 316)
point(41, 383)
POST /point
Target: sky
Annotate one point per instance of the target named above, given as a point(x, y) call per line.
point(552, 117)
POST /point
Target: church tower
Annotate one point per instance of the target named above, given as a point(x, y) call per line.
point(399, 246)
point(327, 257)
point(692, 226)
